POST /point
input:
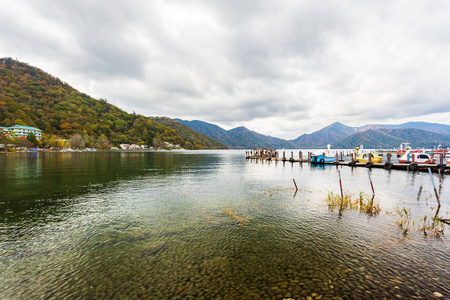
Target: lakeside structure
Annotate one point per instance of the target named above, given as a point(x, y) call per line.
point(441, 165)
point(23, 131)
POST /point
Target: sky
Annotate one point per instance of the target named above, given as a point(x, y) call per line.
point(281, 68)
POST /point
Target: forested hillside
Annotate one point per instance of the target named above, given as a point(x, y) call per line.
point(239, 137)
point(29, 96)
point(327, 135)
point(192, 138)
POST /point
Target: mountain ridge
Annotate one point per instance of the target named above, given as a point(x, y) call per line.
point(238, 138)
point(336, 134)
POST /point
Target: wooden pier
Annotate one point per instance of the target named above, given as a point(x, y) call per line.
point(274, 155)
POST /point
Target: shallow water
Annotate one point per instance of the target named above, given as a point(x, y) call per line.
point(211, 225)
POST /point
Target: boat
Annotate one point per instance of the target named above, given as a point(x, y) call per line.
point(404, 147)
point(440, 151)
point(319, 158)
point(400, 152)
point(364, 157)
point(420, 158)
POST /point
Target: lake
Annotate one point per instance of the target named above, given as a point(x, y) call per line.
point(211, 225)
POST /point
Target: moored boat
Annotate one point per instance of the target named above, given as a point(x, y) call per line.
point(419, 158)
point(320, 158)
point(364, 157)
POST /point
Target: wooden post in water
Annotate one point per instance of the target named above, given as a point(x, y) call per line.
point(370, 157)
point(309, 156)
point(296, 188)
point(413, 159)
point(435, 191)
point(284, 156)
point(389, 157)
point(432, 155)
point(342, 155)
point(323, 157)
point(292, 155)
point(300, 156)
point(340, 185)
point(371, 184)
point(441, 158)
point(336, 158)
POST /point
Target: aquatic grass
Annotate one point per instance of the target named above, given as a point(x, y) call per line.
point(271, 192)
point(405, 219)
point(361, 202)
point(432, 225)
point(233, 216)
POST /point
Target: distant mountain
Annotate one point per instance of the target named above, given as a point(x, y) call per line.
point(239, 137)
point(336, 134)
point(433, 127)
point(243, 138)
point(327, 135)
point(208, 129)
point(192, 138)
point(386, 138)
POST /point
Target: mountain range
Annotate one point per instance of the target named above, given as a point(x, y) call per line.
point(419, 134)
point(29, 96)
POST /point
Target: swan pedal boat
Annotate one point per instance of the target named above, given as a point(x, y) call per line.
point(320, 159)
point(364, 157)
point(420, 158)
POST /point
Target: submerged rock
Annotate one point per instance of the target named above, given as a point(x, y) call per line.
point(152, 248)
point(216, 264)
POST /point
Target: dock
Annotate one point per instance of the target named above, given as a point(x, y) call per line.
point(389, 164)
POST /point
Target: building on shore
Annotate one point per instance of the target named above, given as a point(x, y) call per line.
point(22, 131)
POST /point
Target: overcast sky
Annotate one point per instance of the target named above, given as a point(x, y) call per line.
point(281, 68)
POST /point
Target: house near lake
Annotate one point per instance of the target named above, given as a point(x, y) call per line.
point(22, 131)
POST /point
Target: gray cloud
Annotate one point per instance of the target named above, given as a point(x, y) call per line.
point(281, 68)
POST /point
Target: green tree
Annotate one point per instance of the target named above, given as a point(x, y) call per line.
point(20, 122)
point(32, 138)
point(103, 143)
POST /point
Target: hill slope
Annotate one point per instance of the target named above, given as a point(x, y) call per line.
point(327, 135)
point(208, 129)
point(29, 96)
point(193, 139)
point(244, 138)
point(390, 138)
point(239, 137)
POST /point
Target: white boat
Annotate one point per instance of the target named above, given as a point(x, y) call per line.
point(419, 158)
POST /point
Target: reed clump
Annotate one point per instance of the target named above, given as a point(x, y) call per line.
point(432, 225)
point(405, 219)
point(362, 202)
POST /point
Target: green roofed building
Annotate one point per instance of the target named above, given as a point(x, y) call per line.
point(23, 131)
